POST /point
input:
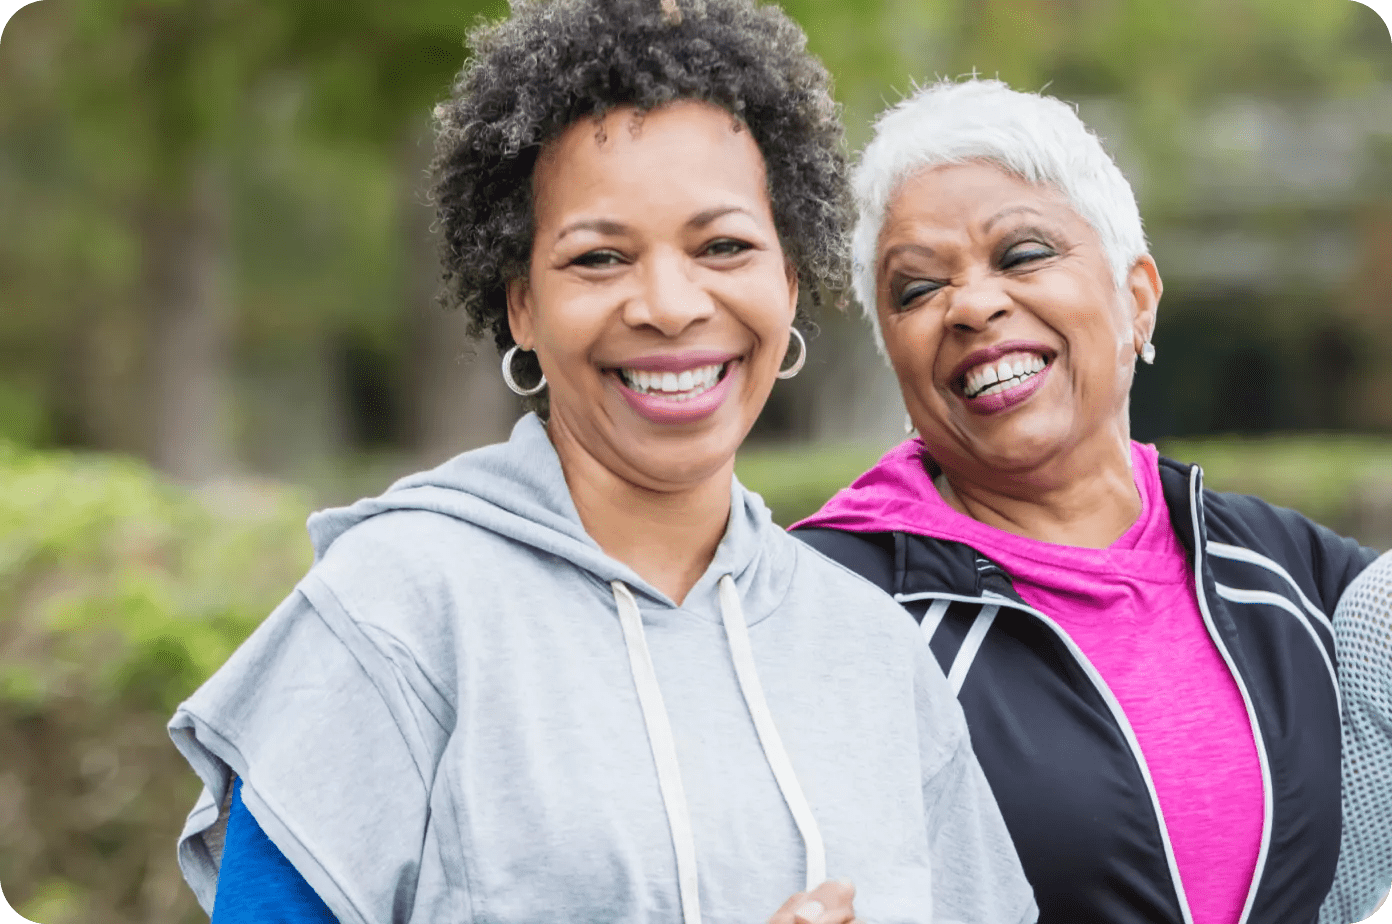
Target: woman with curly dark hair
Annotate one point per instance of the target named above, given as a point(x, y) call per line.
point(582, 675)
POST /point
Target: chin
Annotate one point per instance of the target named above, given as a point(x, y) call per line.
point(1022, 444)
point(683, 458)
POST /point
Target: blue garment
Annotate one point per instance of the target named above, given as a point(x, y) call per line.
point(257, 884)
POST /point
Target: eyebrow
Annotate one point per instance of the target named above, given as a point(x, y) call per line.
point(614, 228)
point(701, 219)
point(920, 250)
point(1007, 211)
point(598, 225)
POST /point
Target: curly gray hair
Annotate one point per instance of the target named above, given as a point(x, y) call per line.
point(553, 62)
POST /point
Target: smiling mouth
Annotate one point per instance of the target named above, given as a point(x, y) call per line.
point(996, 376)
point(674, 386)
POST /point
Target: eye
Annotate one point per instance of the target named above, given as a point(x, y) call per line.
point(918, 289)
point(1025, 252)
point(598, 259)
point(726, 247)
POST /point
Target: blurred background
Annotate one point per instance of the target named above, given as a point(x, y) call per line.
point(217, 312)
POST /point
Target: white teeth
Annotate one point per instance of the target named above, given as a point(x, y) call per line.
point(1008, 373)
point(681, 386)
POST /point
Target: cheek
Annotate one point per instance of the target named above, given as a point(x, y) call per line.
point(764, 306)
point(913, 349)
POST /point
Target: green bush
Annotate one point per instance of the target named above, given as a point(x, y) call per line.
point(121, 594)
point(1340, 480)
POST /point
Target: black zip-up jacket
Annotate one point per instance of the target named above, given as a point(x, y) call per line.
point(1057, 748)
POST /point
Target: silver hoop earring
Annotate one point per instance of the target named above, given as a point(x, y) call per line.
point(511, 382)
point(1148, 353)
point(796, 367)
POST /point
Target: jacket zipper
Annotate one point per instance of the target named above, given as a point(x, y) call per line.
point(992, 599)
point(1195, 512)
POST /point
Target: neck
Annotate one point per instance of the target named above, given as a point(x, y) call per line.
point(1085, 503)
point(667, 536)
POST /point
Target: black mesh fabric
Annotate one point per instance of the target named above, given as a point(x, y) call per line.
point(1363, 640)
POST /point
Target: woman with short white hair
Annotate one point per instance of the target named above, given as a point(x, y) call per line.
point(1147, 667)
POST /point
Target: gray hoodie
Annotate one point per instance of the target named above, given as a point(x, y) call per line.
point(467, 711)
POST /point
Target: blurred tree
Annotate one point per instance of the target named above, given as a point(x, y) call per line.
point(171, 115)
point(1246, 127)
point(213, 244)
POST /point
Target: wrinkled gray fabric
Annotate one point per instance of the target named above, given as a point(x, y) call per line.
point(1363, 643)
point(440, 723)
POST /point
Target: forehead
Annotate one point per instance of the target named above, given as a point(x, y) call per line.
point(972, 197)
point(683, 155)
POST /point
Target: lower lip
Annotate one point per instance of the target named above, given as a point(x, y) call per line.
point(1004, 400)
point(661, 410)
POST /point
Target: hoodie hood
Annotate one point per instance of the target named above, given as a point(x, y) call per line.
point(518, 490)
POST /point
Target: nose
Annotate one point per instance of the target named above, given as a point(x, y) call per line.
point(671, 298)
point(975, 302)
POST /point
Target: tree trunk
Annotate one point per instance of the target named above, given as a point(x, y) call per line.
point(456, 399)
point(188, 384)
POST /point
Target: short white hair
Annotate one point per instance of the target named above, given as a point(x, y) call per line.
point(1037, 138)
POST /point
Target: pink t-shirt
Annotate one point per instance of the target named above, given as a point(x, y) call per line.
point(1131, 609)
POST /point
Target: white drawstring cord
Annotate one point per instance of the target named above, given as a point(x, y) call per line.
point(664, 751)
point(664, 747)
point(740, 651)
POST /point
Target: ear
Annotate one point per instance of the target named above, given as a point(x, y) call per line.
point(519, 311)
point(1144, 287)
point(793, 287)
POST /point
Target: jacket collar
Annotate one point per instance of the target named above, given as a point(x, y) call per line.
point(924, 564)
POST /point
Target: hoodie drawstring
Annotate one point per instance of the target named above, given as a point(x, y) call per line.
point(743, 655)
point(664, 748)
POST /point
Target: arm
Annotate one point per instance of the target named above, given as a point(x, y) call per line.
point(1363, 640)
point(334, 754)
point(977, 877)
point(257, 885)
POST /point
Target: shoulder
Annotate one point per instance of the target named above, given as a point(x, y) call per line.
point(830, 563)
point(869, 555)
point(402, 560)
point(408, 588)
point(411, 539)
point(1319, 559)
point(1365, 609)
point(1243, 531)
point(844, 599)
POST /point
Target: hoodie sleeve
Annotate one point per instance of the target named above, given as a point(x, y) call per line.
point(977, 877)
point(335, 751)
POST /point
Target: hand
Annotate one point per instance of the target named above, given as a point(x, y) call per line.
point(828, 903)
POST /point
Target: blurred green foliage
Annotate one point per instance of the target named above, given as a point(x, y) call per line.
point(1340, 480)
point(286, 142)
point(121, 593)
